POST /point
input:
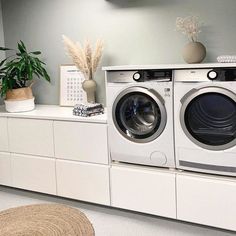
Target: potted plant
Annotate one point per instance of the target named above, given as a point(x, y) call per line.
point(194, 51)
point(17, 72)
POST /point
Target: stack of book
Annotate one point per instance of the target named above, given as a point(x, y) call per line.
point(89, 109)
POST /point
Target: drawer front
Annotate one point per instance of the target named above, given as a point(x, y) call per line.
point(81, 141)
point(5, 169)
point(83, 181)
point(3, 135)
point(206, 201)
point(34, 173)
point(31, 136)
point(143, 190)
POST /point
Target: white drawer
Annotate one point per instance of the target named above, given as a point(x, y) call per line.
point(139, 189)
point(207, 200)
point(5, 169)
point(31, 136)
point(83, 181)
point(34, 173)
point(3, 135)
point(81, 141)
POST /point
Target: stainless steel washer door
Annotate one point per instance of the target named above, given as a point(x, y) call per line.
point(139, 114)
point(208, 117)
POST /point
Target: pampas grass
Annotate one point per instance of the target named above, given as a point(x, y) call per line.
point(190, 26)
point(86, 60)
point(97, 55)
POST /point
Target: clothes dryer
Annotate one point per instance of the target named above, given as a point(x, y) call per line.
point(205, 120)
point(140, 117)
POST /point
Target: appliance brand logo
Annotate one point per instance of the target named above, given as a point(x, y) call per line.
point(167, 92)
point(193, 72)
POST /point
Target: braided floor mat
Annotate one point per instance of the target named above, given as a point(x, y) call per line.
point(44, 220)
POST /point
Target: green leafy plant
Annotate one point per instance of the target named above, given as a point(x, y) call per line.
point(18, 70)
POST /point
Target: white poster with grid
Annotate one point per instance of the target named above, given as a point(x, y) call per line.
point(71, 91)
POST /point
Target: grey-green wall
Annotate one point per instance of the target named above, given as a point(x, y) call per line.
point(2, 54)
point(135, 31)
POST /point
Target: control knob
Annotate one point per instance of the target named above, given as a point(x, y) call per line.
point(212, 75)
point(137, 76)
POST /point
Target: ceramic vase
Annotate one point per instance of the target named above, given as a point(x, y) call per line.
point(89, 86)
point(194, 52)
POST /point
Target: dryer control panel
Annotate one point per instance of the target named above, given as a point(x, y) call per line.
point(222, 74)
point(159, 75)
point(200, 75)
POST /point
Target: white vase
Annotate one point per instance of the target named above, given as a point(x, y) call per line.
point(194, 52)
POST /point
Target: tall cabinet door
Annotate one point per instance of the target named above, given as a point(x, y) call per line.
point(3, 135)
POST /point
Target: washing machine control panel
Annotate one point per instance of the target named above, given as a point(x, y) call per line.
point(153, 75)
point(128, 76)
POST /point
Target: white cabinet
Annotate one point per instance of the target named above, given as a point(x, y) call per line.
point(5, 169)
point(34, 173)
point(3, 135)
point(143, 190)
point(83, 181)
point(31, 136)
point(207, 200)
point(81, 141)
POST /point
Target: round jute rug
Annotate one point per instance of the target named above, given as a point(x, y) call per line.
point(44, 220)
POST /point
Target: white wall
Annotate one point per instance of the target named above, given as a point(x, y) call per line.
point(2, 55)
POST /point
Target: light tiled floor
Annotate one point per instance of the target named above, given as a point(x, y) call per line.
point(112, 222)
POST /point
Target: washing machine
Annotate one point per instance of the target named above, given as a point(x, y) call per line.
point(140, 117)
point(205, 120)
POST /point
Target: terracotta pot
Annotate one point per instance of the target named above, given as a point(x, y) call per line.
point(19, 94)
point(89, 86)
point(194, 52)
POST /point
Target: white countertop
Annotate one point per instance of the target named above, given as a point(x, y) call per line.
point(168, 66)
point(53, 112)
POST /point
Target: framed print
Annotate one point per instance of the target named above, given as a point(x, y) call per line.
point(71, 91)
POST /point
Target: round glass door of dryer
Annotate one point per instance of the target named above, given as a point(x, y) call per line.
point(208, 118)
point(139, 114)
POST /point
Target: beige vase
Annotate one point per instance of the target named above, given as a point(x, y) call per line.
point(89, 86)
point(194, 52)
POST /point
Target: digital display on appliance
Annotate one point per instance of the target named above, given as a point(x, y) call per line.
point(159, 73)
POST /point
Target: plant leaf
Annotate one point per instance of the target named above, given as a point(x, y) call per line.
point(21, 47)
point(30, 71)
point(36, 53)
point(2, 62)
point(5, 49)
point(46, 76)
